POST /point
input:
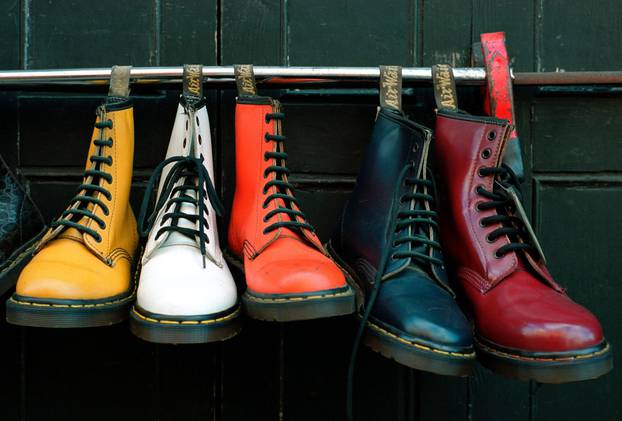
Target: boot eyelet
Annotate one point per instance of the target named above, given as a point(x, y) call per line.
point(197, 119)
point(267, 118)
point(496, 255)
point(187, 122)
point(110, 125)
point(98, 239)
point(200, 140)
point(492, 135)
point(479, 172)
point(479, 209)
point(185, 141)
point(486, 153)
point(415, 147)
point(266, 138)
point(489, 240)
point(109, 160)
point(478, 187)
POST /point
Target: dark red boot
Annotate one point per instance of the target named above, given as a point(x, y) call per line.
point(526, 326)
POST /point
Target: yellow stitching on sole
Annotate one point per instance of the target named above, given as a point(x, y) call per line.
point(130, 297)
point(560, 359)
point(186, 322)
point(18, 258)
point(310, 297)
point(416, 345)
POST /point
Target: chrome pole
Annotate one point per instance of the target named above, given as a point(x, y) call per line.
point(271, 74)
point(285, 75)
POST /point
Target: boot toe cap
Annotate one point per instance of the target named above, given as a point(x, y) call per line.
point(305, 272)
point(423, 312)
point(175, 283)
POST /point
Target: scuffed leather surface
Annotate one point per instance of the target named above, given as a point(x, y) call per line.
point(20, 219)
point(512, 300)
point(282, 261)
point(410, 303)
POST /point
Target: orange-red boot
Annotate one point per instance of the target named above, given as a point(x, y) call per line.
point(289, 275)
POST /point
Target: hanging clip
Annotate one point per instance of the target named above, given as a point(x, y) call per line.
point(391, 87)
point(120, 81)
point(245, 80)
point(193, 84)
point(445, 93)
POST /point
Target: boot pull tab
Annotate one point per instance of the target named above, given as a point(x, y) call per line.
point(192, 84)
point(390, 87)
point(444, 87)
point(498, 96)
point(120, 81)
point(245, 80)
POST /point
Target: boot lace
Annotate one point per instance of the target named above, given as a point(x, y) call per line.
point(421, 220)
point(499, 199)
point(78, 213)
point(284, 189)
point(195, 178)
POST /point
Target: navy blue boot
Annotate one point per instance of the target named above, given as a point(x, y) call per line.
point(387, 240)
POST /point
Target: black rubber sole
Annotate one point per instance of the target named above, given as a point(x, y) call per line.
point(284, 308)
point(408, 353)
point(417, 356)
point(290, 308)
point(180, 331)
point(10, 270)
point(68, 314)
point(546, 370)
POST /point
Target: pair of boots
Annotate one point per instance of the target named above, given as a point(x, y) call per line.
point(82, 272)
point(409, 250)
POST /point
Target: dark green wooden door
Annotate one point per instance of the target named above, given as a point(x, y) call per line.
point(572, 139)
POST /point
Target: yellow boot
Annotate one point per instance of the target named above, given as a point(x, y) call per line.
point(82, 272)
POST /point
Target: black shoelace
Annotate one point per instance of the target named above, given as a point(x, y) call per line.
point(196, 179)
point(419, 219)
point(284, 189)
point(87, 191)
point(499, 199)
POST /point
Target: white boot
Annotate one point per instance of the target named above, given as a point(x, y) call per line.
point(186, 293)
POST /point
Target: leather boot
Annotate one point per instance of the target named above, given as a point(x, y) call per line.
point(387, 239)
point(186, 293)
point(21, 226)
point(81, 273)
point(289, 275)
point(526, 326)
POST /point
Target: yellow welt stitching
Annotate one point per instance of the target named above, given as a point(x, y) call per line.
point(186, 322)
point(519, 357)
point(311, 297)
point(416, 345)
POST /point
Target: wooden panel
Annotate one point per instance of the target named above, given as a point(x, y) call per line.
point(447, 34)
point(251, 373)
point(251, 32)
point(496, 398)
point(10, 34)
point(65, 124)
point(327, 138)
point(585, 36)
point(576, 223)
point(516, 20)
point(349, 33)
point(577, 134)
point(90, 34)
point(188, 33)
point(87, 374)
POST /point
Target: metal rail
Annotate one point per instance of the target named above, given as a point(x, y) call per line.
point(286, 75)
